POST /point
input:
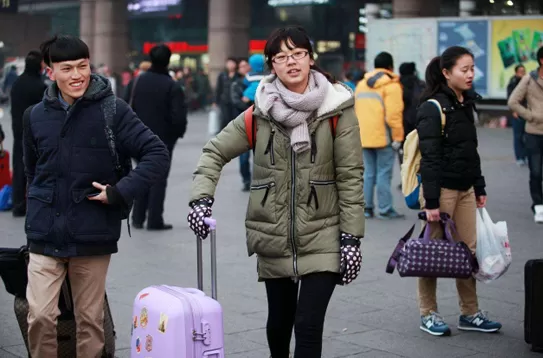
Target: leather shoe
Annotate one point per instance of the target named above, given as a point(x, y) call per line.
point(160, 228)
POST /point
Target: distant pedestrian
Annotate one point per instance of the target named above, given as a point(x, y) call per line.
point(517, 122)
point(223, 100)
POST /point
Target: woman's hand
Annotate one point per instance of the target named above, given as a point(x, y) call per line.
point(432, 215)
point(481, 201)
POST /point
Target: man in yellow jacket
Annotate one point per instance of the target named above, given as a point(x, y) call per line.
point(379, 108)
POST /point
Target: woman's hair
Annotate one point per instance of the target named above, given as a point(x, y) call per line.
point(434, 71)
point(291, 35)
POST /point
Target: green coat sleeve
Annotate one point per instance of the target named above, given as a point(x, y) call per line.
point(225, 146)
point(349, 174)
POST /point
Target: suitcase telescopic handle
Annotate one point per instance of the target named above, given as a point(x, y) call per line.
point(212, 223)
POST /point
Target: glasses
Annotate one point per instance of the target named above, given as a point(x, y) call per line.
point(298, 55)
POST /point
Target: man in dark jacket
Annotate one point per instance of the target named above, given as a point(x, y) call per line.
point(160, 103)
point(74, 143)
point(518, 124)
point(27, 90)
point(222, 91)
point(10, 79)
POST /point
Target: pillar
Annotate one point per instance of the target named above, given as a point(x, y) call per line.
point(415, 8)
point(86, 22)
point(228, 33)
point(467, 7)
point(110, 44)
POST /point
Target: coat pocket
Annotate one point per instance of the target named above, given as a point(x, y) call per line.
point(262, 203)
point(39, 215)
point(87, 217)
point(323, 199)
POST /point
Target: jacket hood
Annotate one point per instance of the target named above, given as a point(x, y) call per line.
point(380, 77)
point(535, 74)
point(99, 88)
point(338, 97)
point(256, 62)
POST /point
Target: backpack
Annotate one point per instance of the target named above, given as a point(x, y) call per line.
point(250, 127)
point(121, 167)
point(410, 172)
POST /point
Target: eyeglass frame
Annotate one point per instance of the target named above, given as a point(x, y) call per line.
point(305, 52)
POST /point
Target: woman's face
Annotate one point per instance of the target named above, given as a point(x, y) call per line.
point(460, 77)
point(292, 67)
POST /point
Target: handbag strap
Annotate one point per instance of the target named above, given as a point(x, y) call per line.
point(393, 260)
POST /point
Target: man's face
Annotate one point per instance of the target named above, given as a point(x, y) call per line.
point(244, 68)
point(72, 77)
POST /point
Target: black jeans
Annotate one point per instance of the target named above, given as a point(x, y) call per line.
point(150, 205)
point(518, 125)
point(19, 178)
point(305, 312)
point(534, 148)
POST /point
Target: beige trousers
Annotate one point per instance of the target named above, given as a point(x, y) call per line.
point(462, 208)
point(88, 280)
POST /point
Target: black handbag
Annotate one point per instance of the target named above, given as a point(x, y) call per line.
point(13, 270)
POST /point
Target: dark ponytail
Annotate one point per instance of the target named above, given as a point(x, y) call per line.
point(434, 72)
point(328, 76)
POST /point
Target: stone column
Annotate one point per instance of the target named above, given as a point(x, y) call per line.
point(86, 22)
point(110, 35)
point(228, 33)
point(467, 7)
point(415, 8)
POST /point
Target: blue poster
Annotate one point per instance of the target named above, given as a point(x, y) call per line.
point(474, 36)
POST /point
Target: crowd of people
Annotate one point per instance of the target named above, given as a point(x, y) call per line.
point(321, 147)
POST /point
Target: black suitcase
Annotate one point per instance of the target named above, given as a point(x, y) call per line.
point(533, 309)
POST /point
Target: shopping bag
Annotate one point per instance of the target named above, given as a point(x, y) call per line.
point(213, 125)
point(493, 249)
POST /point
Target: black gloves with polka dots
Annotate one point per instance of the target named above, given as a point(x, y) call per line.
point(351, 258)
point(200, 209)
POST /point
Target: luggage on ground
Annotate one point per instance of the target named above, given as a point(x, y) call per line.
point(175, 322)
point(533, 309)
point(5, 172)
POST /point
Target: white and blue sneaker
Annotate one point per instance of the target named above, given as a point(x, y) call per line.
point(478, 322)
point(434, 324)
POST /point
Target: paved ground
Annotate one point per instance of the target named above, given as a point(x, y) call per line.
point(375, 317)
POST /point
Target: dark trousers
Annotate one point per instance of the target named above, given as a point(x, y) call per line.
point(534, 147)
point(518, 125)
point(305, 312)
point(19, 178)
point(227, 114)
point(245, 167)
point(151, 204)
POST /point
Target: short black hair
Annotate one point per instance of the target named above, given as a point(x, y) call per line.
point(518, 67)
point(383, 60)
point(540, 56)
point(160, 56)
point(245, 59)
point(233, 59)
point(33, 61)
point(62, 48)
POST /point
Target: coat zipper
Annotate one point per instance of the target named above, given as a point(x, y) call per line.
point(313, 193)
point(313, 148)
point(293, 215)
point(264, 186)
point(269, 147)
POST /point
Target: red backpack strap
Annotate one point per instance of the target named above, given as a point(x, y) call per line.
point(250, 127)
point(333, 125)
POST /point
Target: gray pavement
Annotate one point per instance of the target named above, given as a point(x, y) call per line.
point(376, 316)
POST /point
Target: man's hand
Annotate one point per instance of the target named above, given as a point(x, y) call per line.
point(245, 99)
point(515, 115)
point(481, 201)
point(396, 145)
point(102, 197)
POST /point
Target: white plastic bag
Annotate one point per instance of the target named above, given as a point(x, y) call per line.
point(493, 250)
point(213, 125)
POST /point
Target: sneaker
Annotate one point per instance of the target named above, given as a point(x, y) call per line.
point(521, 162)
point(538, 214)
point(391, 214)
point(434, 324)
point(478, 322)
point(368, 213)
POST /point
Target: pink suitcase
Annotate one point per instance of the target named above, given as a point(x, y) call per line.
point(176, 322)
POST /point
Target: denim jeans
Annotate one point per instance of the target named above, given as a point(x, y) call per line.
point(534, 147)
point(518, 125)
point(245, 167)
point(378, 164)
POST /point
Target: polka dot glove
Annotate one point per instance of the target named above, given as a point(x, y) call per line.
point(200, 209)
point(351, 258)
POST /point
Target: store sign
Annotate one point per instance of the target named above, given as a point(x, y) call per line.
point(147, 6)
point(297, 2)
point(183, 47)
point(8, 6)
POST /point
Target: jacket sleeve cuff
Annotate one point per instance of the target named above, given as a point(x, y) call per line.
point(432, 204)
point(114, 196)
point(479, 191)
